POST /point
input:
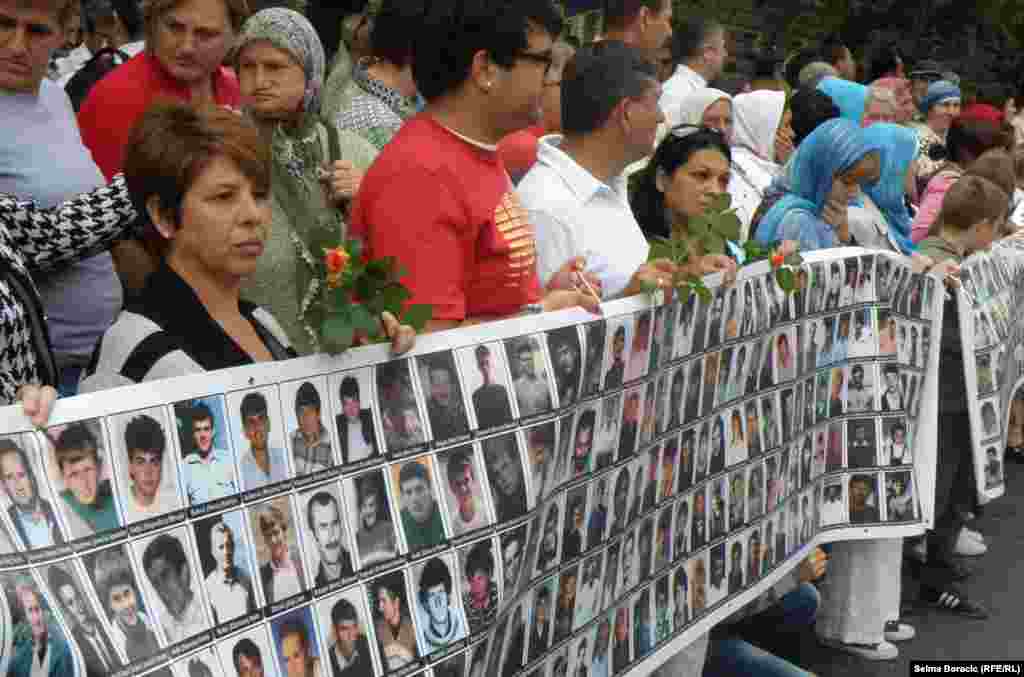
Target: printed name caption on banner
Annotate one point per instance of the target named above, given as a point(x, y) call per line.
point(693, 485)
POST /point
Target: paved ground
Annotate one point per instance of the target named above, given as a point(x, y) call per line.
point(998, 584)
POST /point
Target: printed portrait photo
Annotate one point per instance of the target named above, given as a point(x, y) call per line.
point(416, 495)
point(352, 395)
point(834, 503)
point(389, 601)
point(255, 417)
point(619, 338)
point(550, 538)
point(485, 371)
point(446, 408)
point(208, 459)
point(541, 451)
point(277, 550)
point(345, 634)
point(80, 616)
point(325, 535)
point(993, 468)
point(132, 623)
point(249, 654)
point(864, 499)
point(897, 445)
point(601, 450)
point(295, 641)
point(439, 617)
point(170, 571)
point(574, 523)
point(588, 594)
point(900, 501)
point(989, 417)
point(529, 375)
point(203, 663)
point(479, 581)
point(640, 347)
point(462, 477)
point(369, 503)
point(883, 268)
point(39, 644)
point(643, 624)
point(400, 415)
point(505, 476)
point(541, 622)
point(567, 363)
point(886, 332)
point(227, 566)
point(82, 475)
point(715, 318)
point(630, 428)
point(306, 408)
point(26, 494)
point(143, 451)
point(513, 549)
point(699, 332)
point(593, 367)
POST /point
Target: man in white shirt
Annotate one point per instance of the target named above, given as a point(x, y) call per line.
point(282, 574)
point(700, 47)
point(145, 442)
point(228, 586)
point(169, 572)
point(576, 193)
point(209, 473)
point(31, 514)
point(466, 506)
point(262, 464)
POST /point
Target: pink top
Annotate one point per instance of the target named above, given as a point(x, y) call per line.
point(931, 202)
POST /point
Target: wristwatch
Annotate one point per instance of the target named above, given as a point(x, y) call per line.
point(532, 309)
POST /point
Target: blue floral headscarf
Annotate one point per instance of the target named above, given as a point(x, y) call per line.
point(898, 150)
point(850, 97)
point(831, 149)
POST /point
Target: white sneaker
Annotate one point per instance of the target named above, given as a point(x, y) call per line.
point(883, 651)
point(898, 631)
point(967, 546)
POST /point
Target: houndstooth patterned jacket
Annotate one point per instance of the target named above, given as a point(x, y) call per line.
point(35, 240)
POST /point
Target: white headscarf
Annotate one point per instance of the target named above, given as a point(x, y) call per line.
point(693, 105)
point(756, 118)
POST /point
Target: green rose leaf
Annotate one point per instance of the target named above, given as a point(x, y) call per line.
point(786, 278)
point(337, 333)
point(417, 315)
point(364, 320)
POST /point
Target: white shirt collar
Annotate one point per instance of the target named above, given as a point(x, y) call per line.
point(580, 181)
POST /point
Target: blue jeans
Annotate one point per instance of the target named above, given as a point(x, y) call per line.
point(734, 649)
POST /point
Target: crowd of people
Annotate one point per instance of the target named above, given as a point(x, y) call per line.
point(165, 215)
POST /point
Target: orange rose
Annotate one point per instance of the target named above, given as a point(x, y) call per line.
point(336, 260)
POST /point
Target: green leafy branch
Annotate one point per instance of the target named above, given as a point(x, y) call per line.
point(357, 291)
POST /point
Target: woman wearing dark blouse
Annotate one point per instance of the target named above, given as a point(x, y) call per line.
point(211, 228)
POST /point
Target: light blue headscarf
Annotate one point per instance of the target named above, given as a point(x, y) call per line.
point(850, 97)
point(938, 92)
point(898, 149)
point(831, 149)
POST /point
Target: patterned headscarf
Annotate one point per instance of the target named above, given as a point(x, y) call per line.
point(898, 149)
point(850, 97)
point(831, 149)
point(291, 32)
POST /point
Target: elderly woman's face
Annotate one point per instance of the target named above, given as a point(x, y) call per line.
point(225, 221)
point(692, 187)
point(719, 116)
point(192, 39)
point(273, 83)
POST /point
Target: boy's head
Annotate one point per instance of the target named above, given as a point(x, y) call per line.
point(973, 210)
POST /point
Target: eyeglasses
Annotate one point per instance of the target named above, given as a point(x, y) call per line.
point(684, 130)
